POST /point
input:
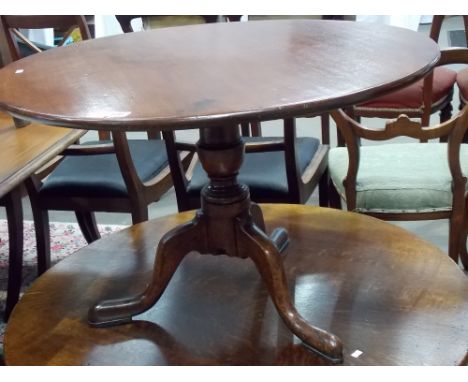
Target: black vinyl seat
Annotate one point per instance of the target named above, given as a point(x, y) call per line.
point(100, 175)
point(265, 172)
point(284, 169)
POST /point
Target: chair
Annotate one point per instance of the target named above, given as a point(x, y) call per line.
point(405, 181)
point(108, 176)
point(420, 100)
point(125, 21)
point(277, 170)
point(25, 149)
point(462, 76)
point(462, 83)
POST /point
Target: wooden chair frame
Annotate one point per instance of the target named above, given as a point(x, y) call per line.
point(454, 129)
point(12, 189)
point(125, 21)
point(463, 101)
point(140, 194)
point(427, 108)
point(300, 185)
point(11, 24)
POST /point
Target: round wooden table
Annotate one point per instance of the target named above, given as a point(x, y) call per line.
point(214, 77)
point(382, 290)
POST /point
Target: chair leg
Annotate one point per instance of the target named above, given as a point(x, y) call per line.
point(446, 113)
point(464, 234)
point(41, 226)
point(256, 129)
point(455, 232)
point(325, 126)
point(139, 215)
point(464, 253)
point(323, 190)
point(87, 222)
point(14, 212)
point(333, 196)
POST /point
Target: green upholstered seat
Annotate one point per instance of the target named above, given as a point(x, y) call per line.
point(399, 178)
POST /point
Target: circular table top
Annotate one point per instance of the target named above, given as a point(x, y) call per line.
point(206, 75)
point(383, 291)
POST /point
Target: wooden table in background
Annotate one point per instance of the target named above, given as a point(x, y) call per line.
point(23, 151)
point(214, 77)
point(383, 291)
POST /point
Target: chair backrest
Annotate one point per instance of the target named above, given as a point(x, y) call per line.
point(436, 27)
point(454, 129)
point(353, 131)
point(300, 185)
point(67, 23)
point(11, 25)
point(434, 34)
point(125, 21)
point(426, 106)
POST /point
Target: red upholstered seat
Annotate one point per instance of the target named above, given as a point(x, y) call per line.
point(462, 82)
point(411, 97)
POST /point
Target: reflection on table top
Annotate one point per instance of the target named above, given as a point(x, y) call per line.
point(200, 75)
point(383, 291)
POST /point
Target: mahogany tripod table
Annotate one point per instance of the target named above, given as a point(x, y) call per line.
point(214, 77)
point(383, 291)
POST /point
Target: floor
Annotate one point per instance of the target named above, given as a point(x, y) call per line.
point(433, 231)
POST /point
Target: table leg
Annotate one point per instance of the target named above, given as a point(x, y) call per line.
point(267, 258)
point(227, 224)
point(14, 211)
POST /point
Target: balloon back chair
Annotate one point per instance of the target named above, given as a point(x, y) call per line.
point(420, 100)
point(406, 181)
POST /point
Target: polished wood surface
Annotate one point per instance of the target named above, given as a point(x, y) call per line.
point(203, 75)
point(382, 290)
point(23, 151)
point(88, 196)
point(26, 149)
point(66, 23)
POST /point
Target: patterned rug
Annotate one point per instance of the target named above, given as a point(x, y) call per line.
point(65, 239)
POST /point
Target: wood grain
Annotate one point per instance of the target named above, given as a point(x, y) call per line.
point(26, 149)
point(224, 73)
point(382, 290)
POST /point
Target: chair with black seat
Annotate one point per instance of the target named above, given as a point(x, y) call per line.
point(420, 100)
point(406, 181)
point(116, 175)
point(276, 169)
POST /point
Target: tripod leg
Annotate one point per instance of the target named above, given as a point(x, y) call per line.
point(172, 248)
point(279, 236)
point(266, 257)
point(257, 216)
